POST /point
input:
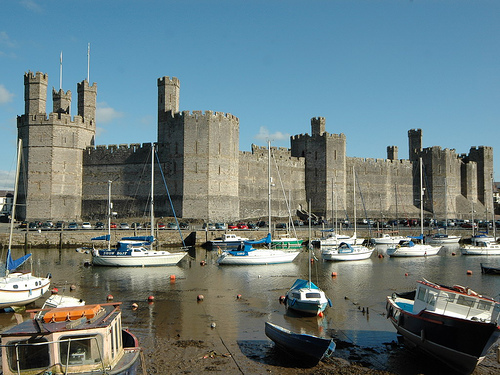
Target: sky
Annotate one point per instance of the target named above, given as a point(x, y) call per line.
point(374, 69)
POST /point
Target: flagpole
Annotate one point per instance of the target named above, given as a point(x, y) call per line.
point(88, 63)
point(60, 72)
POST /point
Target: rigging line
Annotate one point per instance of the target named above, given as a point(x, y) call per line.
point(284, 195)
point(170, 200)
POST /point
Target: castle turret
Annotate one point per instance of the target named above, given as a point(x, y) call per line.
point(392, 152)
point(168, 96)
point(87, 100)
point(35, 93)
point(414, 143)
point(318, 125)
point(61, 101)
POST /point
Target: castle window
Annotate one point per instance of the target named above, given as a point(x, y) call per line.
point(196, 147)
point(219, 149)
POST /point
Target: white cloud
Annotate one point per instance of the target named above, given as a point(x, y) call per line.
point(264, 135)
point(5, 95)
point(106, 114)
point(32, 6)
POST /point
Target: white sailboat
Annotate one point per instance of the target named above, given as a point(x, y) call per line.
point(19, 288)
point(408, 248)
point(246, 254)
point(135, 251)
point(304, 296)
point(346, 251)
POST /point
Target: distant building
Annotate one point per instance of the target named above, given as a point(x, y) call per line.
point(6, 202)
point(209, 178)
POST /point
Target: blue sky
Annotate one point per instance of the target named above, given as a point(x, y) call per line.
point(374, 69)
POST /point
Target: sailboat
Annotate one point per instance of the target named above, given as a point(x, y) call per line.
point(347, 251)
point(246, 254)
point(304, 296)
point(19, 288)
point(135, 251)
point(407, 247)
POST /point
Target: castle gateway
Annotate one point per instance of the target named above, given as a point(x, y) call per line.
point(207, 177)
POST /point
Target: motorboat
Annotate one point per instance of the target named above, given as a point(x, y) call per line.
point(228, 240)
point(85, 339)
point(387, 239)
point(346, 251)
point(484, 247)
point(306, 298)
point(408, 248)
point(306, 348)
point(285, 241)
point(451, 323)
point(442, 239)
point(247, 254)
point(331, 238)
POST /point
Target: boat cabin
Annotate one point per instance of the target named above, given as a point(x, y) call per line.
point(455, 301)
point(78, 339)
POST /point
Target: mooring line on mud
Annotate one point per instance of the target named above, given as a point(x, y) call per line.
point(223, 343)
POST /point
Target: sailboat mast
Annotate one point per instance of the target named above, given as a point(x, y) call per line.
point(269, 184)
point(354, 197)
point(421, 199)
point(309, 245)
point(151, 208)
point(14, 202)
point(109, 214)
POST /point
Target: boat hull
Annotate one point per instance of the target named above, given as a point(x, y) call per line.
point(169, 259)
point(307, 348)
point(258, 257)
point(490, 270)
point(479, 250)
point(339, 257)
point(415, 251)
point(31, 288)
point(459, 343)
point(306, 307)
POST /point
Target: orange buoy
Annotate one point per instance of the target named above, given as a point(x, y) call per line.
point(312, 260)
point(135, 306)
point(334, 274)
point(172, 277)
point(238, 296)
point(406, 274)
point(151, 298)
point(109, 297)
point(453, 253)
point(380, 256)
point(54, 291)
point(72, 287)
point(200, 297)
point(282, 299)
point(469, 272)
point(203, 263)
point(320, 314)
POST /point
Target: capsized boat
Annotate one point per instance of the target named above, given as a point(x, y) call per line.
point(246, 254)
point(306, 348)
point(346, 251)
point(71, 340)
point(453, 324)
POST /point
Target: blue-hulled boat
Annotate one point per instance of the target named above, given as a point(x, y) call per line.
point(306, 298)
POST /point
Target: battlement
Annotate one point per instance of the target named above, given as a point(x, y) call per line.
point(85, 85)
point(340, 136)
point(168, 80)
point(37, 77)
point(116, 154)
point(379, 161)
point(54, 119)
point(200, 114)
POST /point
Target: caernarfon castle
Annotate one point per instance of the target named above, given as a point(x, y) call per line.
point(66, 175)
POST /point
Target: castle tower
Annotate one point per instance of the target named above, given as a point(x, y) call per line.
point(87, 100)
point(318, 125)
point(325, 165)
point(483, 156)
point(61, 101)
point(53, 144)
point(392, 152)
point(35, 93)
point(414, 143)
point(168, 95)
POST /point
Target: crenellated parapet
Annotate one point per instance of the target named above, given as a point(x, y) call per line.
point(116, 154)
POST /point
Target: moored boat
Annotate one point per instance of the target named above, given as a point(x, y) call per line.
point(387, 239)
point(246, 254)
point(408, 248)
point(484, 247)
point(306, 298)
point(453, 324)
point(228, 240)
point(491, 270)
point(345, 252)
point(442, 239)
point(71, 340)
point(306, 348)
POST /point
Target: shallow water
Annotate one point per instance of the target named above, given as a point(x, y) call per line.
point(358, 294)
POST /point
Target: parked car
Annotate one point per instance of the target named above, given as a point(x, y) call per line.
point(112, 226)
point(252, 226)
point(261, 224)
point(220, 226)
point(172, 226)
point(86, 225)
point(99, 225)
point(73, 226)
point(136, 225)
point(160, 225)
point(209, 226)
point(280, 226)
point(232, 226)
point(184, 225)
point(242, 226)
point(60, 225)
point(24, 224)
point(124, 226)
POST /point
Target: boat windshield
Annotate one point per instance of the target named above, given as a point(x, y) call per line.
point(28, 354)
point(79, 350)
